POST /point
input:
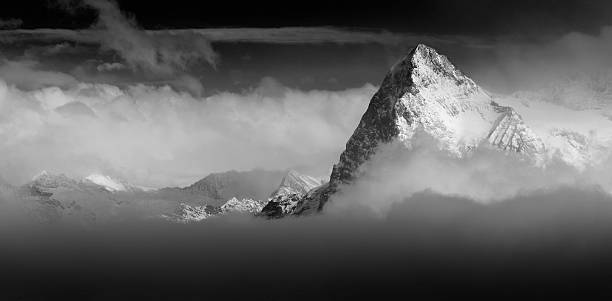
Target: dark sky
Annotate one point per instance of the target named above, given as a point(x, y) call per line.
point(492, 41)
point(434, 16)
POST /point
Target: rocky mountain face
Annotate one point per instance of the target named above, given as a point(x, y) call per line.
point(186, 213)
point(292, 189)
point(52, 198)
point(424, 94)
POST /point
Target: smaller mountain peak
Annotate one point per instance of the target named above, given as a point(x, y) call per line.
point(295, 182)
point(45, 176)
point(291, 174)
point(107, 182)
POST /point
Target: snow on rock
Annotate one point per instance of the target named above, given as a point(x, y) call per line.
point(291, 192)
point(113, 184)
point(107, 182)
point(509, 132)
point(186, 213)
point(425, 94)
point(47, 183)
point(295, 182)
point(244, 205)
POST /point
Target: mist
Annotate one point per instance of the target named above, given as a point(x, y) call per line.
point(157, 137)
point(485, 176)
point(553, 240)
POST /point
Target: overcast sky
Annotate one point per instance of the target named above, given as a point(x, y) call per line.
point(436, 16)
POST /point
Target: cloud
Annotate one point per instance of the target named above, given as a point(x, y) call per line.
point(10, 23)
point(110, 66)
point(313, 35)
point(155, 136)
point(512, 63)
point(280, 35)
point(139, 50)
point(26, 75)
point(486, 176)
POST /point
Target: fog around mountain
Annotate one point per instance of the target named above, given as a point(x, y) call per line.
point(307, 162)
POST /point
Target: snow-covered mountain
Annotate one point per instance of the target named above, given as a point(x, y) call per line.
point(294, 182)
point(242, 206)
point(424, 94)
point(113, 184)
point(186, 213)
point(216, 188)
point(56, 197)
point(292, 189)
point(281, 202)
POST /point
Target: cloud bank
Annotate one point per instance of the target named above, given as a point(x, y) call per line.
point(155, 136)
point(486, 176)
point(430, 245)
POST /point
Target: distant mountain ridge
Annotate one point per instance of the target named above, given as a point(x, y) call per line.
point(292, 186)
point(217, 188)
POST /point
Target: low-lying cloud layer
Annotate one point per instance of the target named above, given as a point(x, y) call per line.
point(155, 136)
point(556, 241)
point(486, 176)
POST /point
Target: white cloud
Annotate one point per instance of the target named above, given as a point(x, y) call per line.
point(154, 136)
point(486, 176)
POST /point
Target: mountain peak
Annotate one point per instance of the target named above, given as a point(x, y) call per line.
point(294, 182)
point(108, 183)
point(41, 174)
point(424, 67)
point(425, 95)
point(421, 54)
point(286, 198)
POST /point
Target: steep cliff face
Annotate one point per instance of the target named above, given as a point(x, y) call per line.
point(425, 93)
